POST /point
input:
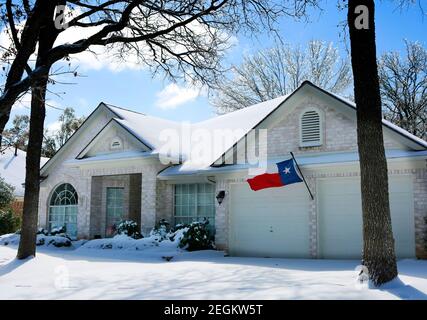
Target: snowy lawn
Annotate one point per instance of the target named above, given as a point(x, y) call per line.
point(88, 273)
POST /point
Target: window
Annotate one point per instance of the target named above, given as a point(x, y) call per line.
point(193, 202)
point(115, 210)
point(63, 209)
point(310, 129)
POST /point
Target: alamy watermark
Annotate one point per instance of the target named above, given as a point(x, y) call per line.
point(362, 20)
point(62, 278)
point(60, 17)
point(201, 147)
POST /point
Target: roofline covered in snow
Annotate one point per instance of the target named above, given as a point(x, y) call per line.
point(112, 120)
point(73, 136)
point(403, 133)
point(307, 161)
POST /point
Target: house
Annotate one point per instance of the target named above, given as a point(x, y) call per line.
point(123, 164)
point(12, 170)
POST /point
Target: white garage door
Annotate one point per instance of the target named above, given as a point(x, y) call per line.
point(340, 217)
point(269, 223)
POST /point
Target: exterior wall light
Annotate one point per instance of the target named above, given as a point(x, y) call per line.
point(220, 196)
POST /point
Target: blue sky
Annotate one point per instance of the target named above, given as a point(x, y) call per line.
point(135, 89)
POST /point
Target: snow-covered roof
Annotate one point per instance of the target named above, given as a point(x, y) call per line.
point(148, 129)
point(12, 168)
point(303, 161)
point(125, 155)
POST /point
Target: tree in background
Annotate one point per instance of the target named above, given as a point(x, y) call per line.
point(49, 146)
point(9, 222)
point(69, 124)
point(278, 71)
point(403, 82)
point(17, 135)
point(6, 193)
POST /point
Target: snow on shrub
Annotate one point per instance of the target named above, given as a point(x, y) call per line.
point(56, 237)
point(41, 240)
point(161, 230)
point(169, 241)
point(55, 231)
point(129, 228)
point(197, 237)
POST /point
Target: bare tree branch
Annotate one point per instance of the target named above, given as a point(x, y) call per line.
point(278, 71)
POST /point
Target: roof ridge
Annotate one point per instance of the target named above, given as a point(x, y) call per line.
point(125, 109)
point(241, 109)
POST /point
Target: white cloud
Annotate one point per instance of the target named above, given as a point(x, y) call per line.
point(173, 96)
point(97, 57)
point(53, 126)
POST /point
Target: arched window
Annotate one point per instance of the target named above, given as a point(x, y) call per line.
point(311, 129)
point(63, 209)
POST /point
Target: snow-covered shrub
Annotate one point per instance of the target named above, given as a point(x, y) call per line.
point(161, 230)
point(58, 239)
point(129, 228)
point(9, 222)
point(41, 240)
point(58, 230)
point(42, 231)
point(196, 237)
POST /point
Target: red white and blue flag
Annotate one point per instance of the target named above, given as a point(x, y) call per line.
point(287, 174)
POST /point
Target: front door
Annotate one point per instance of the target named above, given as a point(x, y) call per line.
point(115, 210)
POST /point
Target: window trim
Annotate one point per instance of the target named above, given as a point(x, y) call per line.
point(196, 205)
point(53, 197)
point(311, 143)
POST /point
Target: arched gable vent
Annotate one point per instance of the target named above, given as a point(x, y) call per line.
point(310, 129)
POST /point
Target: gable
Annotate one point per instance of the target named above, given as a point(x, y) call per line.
point(81, 137)
point(338, 130)
point(113, 138)
point(338, 126)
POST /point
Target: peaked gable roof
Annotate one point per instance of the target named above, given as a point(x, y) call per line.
point(409, 139)
point(113, 123)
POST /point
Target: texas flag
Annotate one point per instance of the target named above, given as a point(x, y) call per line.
point(287, 174)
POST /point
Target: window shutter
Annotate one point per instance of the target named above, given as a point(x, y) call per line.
point(311, 129)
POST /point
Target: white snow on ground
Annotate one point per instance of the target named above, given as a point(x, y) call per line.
point(83, 273)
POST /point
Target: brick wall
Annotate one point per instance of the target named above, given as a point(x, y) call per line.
point(420, 212)
point(339, 132)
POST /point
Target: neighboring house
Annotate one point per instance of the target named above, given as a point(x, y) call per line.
point(12, 169)
point(110, 170)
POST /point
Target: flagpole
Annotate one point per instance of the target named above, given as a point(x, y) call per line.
point(309, 191)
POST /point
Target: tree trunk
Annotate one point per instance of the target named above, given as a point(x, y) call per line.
point(47, 37)
point(3, 121)
point(27, 245)
point(378, 243)
point(25, 49)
